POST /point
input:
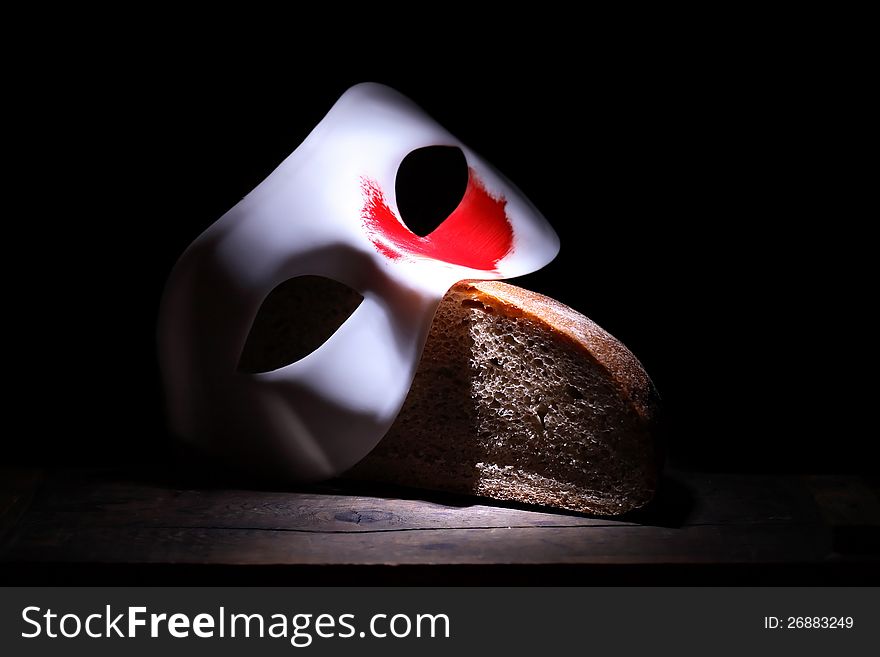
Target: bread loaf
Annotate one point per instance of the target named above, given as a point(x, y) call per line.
point(519, 397)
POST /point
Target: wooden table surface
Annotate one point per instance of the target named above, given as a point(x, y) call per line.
point(105, 525)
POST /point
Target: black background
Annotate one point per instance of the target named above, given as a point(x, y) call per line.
point(718, 177)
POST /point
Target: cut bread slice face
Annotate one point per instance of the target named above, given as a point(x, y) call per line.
point(518, 397)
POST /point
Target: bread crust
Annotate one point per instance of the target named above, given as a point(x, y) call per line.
point(583, 333)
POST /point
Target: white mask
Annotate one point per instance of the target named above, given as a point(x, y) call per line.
point(329, 210)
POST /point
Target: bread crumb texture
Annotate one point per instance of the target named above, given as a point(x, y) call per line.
point(518, 397)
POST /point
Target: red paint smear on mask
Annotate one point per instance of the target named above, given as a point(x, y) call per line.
point(477, 234)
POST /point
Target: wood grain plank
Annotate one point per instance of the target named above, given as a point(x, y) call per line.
point(545, 545)
point(17, 488)
point(851, 507)
point(99, 500)
point(107, 517)
point(845, 501)
point(134, 506)
point(723, 498)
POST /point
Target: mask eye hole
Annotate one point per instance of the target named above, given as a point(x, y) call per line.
point(430, 184)
point(296, 318)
